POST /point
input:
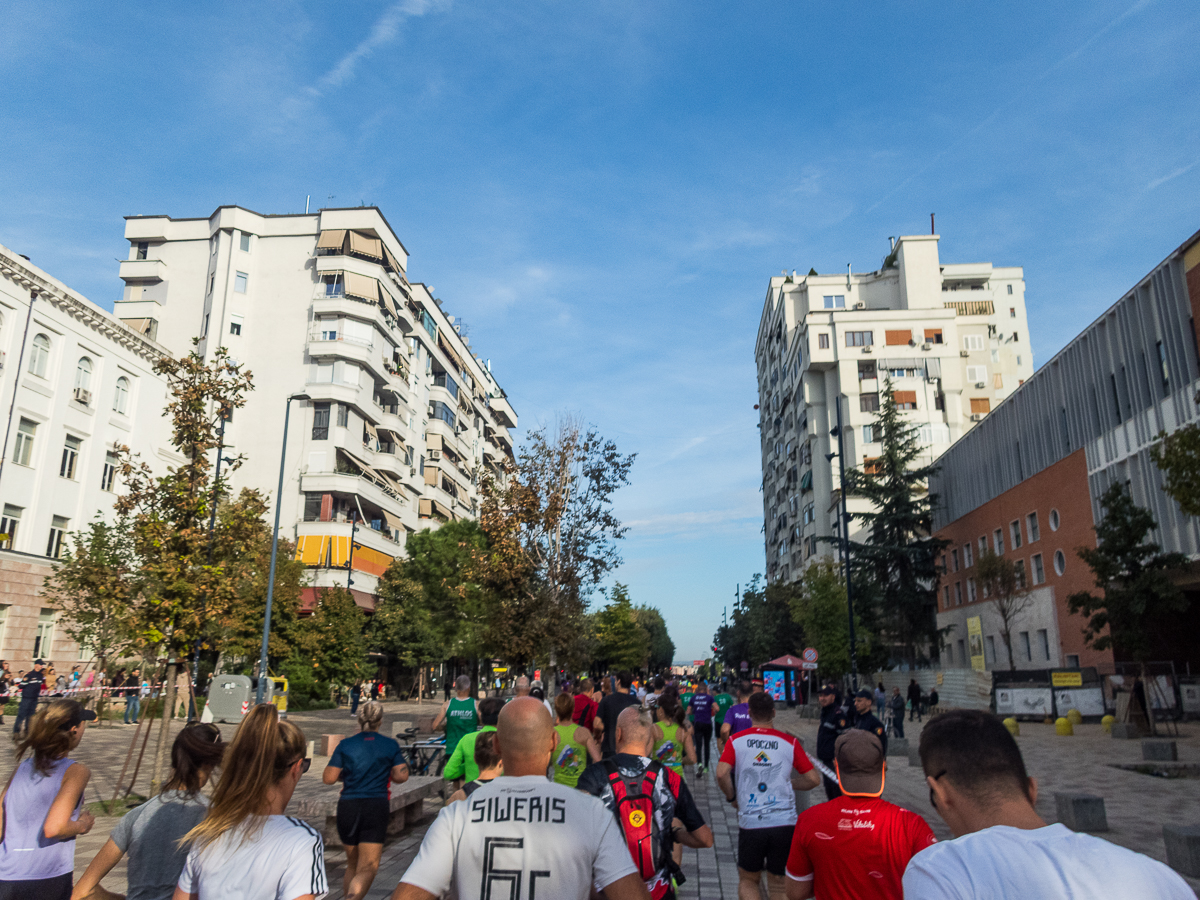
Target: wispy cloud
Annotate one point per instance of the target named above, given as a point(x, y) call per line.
point(1160, 181)
point(383, 32)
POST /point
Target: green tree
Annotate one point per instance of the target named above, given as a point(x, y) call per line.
point(819, 607)
point(662, 648)
point(1178, 456)
point(621, 643)
point(899, 558)
point(334, 637)
point(403, 625)
point(761, 627)
point(443, 563)
point(1005, 586)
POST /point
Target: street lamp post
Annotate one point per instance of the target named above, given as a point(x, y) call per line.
point(844, 540)
point(262, 662)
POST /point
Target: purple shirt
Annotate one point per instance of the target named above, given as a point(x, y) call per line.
point(26, 853)
point(702, 708)
point(737, 717)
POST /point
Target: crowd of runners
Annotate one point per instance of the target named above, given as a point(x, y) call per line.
point(586, 796)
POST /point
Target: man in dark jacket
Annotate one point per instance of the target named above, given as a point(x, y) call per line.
point(30, 688)
point(914, 700)
point(896, 707)
point(833, 723)
point(866, 720)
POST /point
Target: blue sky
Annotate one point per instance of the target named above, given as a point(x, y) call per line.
point(601, 190)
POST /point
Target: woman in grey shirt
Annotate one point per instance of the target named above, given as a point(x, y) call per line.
point(150, 833)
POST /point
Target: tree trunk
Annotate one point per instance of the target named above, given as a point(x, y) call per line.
point(421, 686)
point(164, 727)
point(220, 663)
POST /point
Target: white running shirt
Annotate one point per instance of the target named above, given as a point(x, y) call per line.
point(1037, 864)
point(523, 837)
point(763, 760)
point(283, 861)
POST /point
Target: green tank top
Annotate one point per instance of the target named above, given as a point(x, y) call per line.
point(461, 720)
point(570, 757)
point(669, 751)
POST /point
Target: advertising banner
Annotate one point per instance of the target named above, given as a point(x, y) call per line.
point(773, 684)
point(1024, 701)
point(975, 641)
point(1089, 701)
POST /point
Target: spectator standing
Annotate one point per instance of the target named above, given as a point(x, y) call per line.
point(880, 699)
point(1002, 847)
point(460, 713)
point(183, 692)
point(933, 699)
point(833, 724)
point(914, 700)
point(896, 707)
point(462, 762)
point(30, 689)
point(866, 861)
point(757, 772)
point(611, 707)
point(5, 689)
point(355, 696)
point(865, 720)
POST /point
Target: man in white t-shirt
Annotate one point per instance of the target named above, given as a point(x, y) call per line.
point(1002, 847)
point(523, 835)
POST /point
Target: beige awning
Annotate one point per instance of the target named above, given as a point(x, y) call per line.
point(440, 509)
point(431, 474)
point(396, 486)
point(425, 508)
point(388, 303)
point(397, 437)
point(391, 261)
point(362, 286)
point(433, 441)
point(331, 240)
point(366, 245)
point(371, 430)
point(393, 521)
point(445, 345)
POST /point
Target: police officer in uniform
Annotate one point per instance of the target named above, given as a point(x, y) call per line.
point(866, 720)
point(833, 723)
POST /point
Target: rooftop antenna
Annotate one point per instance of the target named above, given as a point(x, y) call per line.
point(847, 274)
point(931, 228)
point(307, 197)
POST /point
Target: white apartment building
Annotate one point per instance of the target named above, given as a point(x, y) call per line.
point(402, 418)
point(952, 339)
point(75, 384)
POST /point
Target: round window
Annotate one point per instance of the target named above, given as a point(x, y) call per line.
point(1054, 520)
point(1060, 562)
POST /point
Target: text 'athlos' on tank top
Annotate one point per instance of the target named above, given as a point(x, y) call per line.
point(26, 853)
point(461, 720)
point(669, 751)
point(570, 757)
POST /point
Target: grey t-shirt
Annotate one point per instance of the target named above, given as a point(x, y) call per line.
point(149, 834)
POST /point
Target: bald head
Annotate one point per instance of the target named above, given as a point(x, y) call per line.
point(526, 737)
point(521, 686)
point(634, 732)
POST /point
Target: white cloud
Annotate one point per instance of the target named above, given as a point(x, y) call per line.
point(1159, 181)
point(383, 32)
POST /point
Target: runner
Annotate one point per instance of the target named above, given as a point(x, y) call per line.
point(724, 701)
point(764, 764)
point(462, 762)
point(460, 713)
point(631, 773)
point(702, 708)
point(37, 855)
point(246, 847)
point(737, 717)
point(1002, 847)
point(673, 746)
point(611, 707)
point(576, 746)
point(833, 724)
point(367, 764)
point(655, 692)
point(585, 706)
point(488, 761)
point(522, 835)
point(150, 833)
point(866, 860)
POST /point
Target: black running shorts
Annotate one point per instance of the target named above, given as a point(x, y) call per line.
point(757, 846)
point(362, 821)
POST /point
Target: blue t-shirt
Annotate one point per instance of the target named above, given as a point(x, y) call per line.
point(702, 708)
point(737, 717)
point(366, 761)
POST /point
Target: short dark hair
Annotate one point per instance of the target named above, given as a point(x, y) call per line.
point(973, 750)
point(744, 688)
point(625, 679)
point(489, 710)
point(659, 683)
point(762, 705)
point(485, 750)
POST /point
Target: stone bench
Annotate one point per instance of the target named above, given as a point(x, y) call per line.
point(1183, 848)
point(1159, 750)
point(407, 805)
point(1081, 812)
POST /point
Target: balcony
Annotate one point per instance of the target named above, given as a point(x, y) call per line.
point(338, 392)
point(503, 411)
point(377, 492)
point(971, 307)
point(360, 350)
point(140, 271)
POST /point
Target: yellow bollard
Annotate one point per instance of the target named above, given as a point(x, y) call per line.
point(1063, 727)
point(1075, 716)
point(1014, 728)
point(1107, 723)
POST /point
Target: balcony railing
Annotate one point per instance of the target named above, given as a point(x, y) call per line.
point(319, 334)
point(971, 307)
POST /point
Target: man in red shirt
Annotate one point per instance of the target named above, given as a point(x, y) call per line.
point(857, 846)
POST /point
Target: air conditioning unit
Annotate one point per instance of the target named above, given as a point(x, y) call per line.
point(83, 396)
point(435, 454)
point(927, 346)
point(412, 471)
point(964, 352)
point(976, 417)
point(860, 305)
point(867, 349)
point(980, 384)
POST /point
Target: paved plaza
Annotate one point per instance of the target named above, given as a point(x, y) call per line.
point(1137, 805)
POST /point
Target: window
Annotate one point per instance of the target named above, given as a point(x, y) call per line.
point(967, 560)
point(1031, 527)
point(866, 370)
point(973, 342)
point(1025, 648)
point(809, 514)
point(1014, 529)
point(872, 434)
point(39, 356)
point(212, 282)
point(235, 324)
point(998, 542)
point(946, 597)
point(982, 544)
point(343, 417)
point(939, 401)
point(958, 593)
point(239, 282)
point(998, 381)
point(868, 402)
point(933, 335)
point(1072, 660)
point(1162, 364)
point(439, 410)
point(971, 595)
point(58, 532)
point(1016, 337)
point(245, 242)
point(1009, 286)
point(837, 301)
point(1019, 570)
point(70, 457)
point(1039, 570)
point(1044, 643)
point(1054, 520)
point(980, 406)
point(320, 428)
point(205, 334)
point(44, 637)
point(23, 451)
point(858, 339)
point(962, 653)
point(143, 249)
point(1012, 312)
point(83, 379)
point(823, 341)
point(905, 399)
point(954, 560)
point(1060, 562)
point(991, 649)
point(121, 395)
point(109, 475)
point(896, 338)
point(977, 374)
point(9, 523)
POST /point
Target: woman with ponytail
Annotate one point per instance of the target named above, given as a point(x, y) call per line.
point(150, 833)
point(41, 812)
point(246, 848)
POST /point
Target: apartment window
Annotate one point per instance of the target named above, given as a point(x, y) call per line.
point(866, 370)
point(8, 525)
point(1054, 520)
point(44, 637)
point(905, 399)
point(39, 355)
point(972, 596)
point(1039, 570)
point(1072, 660)
point(1014, 529)
point(1031, 526)
point(980, 406)
point(958, 593)
point(991, 649)
point(858, 338)
point(1019, 570)
point(954, 560)
point(977, 374)
point(83, 381)
point(245, 242)
point(1016, 337)
point(939, 401)
point(835, 301)
point(320, 428)
point(998, 381)
point(1044, 643)
point(967, 560)
point(121, 395)
point(946, 597)
point(23, 451)
point(58, 533)
point(823, 341)
point(143, 249)
point(973, 342)
point(343, 417)
point(1060, 562)
point(1012, 313)
point(1025, 648)
point(109, 475)
point(1162, 364)
point(70, 457)
point(205, 334)
point(868, 402)
point(1009, 286)
point(809, 514)
point(212, 282)
point(235, 324)
point(998, 542)
point(239, 282)
point(872, 434)
point(982, 544)
point(995, 356)
point(896, 338)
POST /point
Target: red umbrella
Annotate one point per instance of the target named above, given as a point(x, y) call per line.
point(787, 661)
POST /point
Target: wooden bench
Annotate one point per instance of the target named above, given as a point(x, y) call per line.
point(407, 806)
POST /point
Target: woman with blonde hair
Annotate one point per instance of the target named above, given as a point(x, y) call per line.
point(366, 763)
point(41, 810)
point(246, 848)
point(150, 833)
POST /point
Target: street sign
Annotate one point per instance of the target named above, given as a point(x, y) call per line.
point(745, 666)
point(811, 666)
point(809, 655)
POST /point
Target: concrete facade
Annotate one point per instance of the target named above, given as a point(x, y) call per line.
point(952, 339)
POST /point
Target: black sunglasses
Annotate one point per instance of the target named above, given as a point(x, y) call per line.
point(305, 764)
point(932, 798)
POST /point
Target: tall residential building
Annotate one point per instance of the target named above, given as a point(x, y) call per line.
point(402, 418)
point(952, 339)
point(75, 384)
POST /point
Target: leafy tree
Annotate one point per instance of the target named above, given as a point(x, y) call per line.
point(662, 648)
point(334, 637)
point(1178, 456)
point(1138, 600)
point(443, 563)
point(403, 625)
point(819, 607)
point(761, 627)
point(1000, 580)
point(621, 643)
point(899, 559)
